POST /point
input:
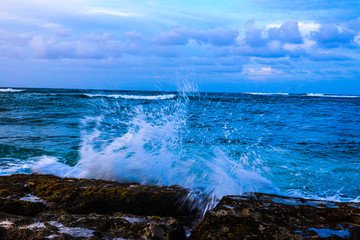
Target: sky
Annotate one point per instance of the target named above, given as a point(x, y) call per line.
point(295, 46)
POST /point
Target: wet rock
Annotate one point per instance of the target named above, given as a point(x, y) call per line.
point(89, 226)
point(264, 216)
point(18, 207)
point(49, 207)
point(83, 196)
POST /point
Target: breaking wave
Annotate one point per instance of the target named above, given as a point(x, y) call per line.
point(6, 90)
point(134, 97)
point(305, 95)
point(266, 94)
point(145, 144)
point(330, 95)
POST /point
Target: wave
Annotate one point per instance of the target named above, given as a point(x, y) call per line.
point(330, 95)
point(307, 94)
point(9, 166)
point(10, 90)
point(151, 151)
point(134, 97)
point(266, 94)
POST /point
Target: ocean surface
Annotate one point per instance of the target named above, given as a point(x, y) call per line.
point(304, 145)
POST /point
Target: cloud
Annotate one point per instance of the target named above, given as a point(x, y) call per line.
point(273, 42)
point(111, 12)
point(260, 73)
point(354, 24)
point(286, 33)
point(330, 36)
point(178, 36)
point(89, 47)
point(325, 56)
point(254, 36)
point(181, 36)
point(13, 39)
point(222, 37)
point(271, 50)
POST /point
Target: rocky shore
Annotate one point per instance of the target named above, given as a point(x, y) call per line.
point(49, 207)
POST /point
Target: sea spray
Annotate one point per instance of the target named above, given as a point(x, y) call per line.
point(145, 144)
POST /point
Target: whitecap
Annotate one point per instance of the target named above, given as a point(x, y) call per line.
point(134, 97)
point(10, 90)
point(330, 95)
point(266, 94)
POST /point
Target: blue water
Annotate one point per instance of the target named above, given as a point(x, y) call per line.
point(305, 145)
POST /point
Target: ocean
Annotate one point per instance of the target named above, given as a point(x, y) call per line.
point(215, 144)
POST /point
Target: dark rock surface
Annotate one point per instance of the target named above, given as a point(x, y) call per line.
point(44, 206)
point(263, 216)
point(52, 225)
point(49, 207)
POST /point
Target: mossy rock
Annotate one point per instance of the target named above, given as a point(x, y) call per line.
point(24, 208)
point(98, 196)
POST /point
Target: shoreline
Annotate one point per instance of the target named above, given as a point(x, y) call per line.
point(45, 206)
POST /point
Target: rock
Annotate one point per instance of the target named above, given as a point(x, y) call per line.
point(97, 196)
point(264, 216)
point(48, 207)
point(89, 226)
point(45, 206)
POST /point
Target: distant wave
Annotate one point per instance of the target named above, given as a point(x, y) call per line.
point(135, 97)
point(10, 90)
point(266, 94)
point(306, 94)
point(330, 95)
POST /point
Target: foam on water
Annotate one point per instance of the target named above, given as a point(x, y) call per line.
point(266, 94)
point(134, 97)
point(330, 95)
point(8, 90)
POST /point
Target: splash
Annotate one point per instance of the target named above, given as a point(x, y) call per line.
point(145, 144)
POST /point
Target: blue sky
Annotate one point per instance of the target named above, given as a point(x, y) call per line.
point(251, 45)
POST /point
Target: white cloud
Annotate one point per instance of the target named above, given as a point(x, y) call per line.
point(110, 12)
point(357, 39)
point(306, 27)
point(261, 73)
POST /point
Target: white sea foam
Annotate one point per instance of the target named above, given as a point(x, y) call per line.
point(330, 95)
point(36, 225)
point(338, 197)
point(73, 231)
point(13, 166)
point(266, 94)
point(134, 97)
point(307, 94)
point(32, 198)
point(10, 90)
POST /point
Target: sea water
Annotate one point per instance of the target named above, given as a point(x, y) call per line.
point(215, 144)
